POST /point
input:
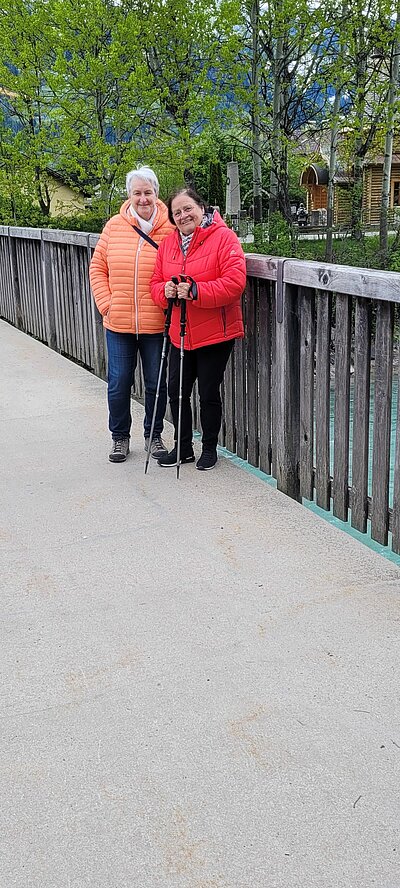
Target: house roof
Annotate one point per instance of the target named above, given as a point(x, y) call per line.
point(320, 176)
point(379, 158)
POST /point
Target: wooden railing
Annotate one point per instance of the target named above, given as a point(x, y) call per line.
point(301, 390)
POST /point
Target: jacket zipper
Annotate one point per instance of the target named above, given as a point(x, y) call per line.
point(192, 242)
point(135, 297)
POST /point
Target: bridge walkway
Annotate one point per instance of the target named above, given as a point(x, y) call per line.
point(200, 678)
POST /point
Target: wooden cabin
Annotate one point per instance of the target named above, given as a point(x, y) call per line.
point(315, 180)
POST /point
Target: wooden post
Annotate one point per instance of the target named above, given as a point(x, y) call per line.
point(15, 282)
point(382, 422)
point(307, 349)
point(287, 393)
point(47, 283)
point(97, 325)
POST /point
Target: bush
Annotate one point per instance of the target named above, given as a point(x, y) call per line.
point(90, 221)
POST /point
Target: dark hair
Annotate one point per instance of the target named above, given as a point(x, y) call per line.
point(190, 193)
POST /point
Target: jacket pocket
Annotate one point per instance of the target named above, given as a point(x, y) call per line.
point(108, 312)
point(223, 312)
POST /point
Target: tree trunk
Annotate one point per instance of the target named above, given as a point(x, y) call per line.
point(357, 190)
point(255, 112)
point(332, 168)
point(392, 97)
point(276, 128)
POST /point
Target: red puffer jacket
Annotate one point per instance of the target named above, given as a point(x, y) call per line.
point(215, 260)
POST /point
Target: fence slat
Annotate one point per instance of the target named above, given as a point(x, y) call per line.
point(288, 394)
point(396, 480)
point(229, 404)
point(264, 395)
point(322, 400)
point(240, 391)
point(252, 371)
point(307, 348)
point(96, 320)
point(361, 402)
point(382, 421)
point(342, 407)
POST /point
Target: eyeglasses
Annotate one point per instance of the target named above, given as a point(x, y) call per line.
point(185, 210)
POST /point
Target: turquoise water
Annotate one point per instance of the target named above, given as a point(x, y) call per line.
point(371, 432)
point(364, 538)
point(328, 516)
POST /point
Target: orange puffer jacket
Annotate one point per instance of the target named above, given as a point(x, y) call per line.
point(121, 270)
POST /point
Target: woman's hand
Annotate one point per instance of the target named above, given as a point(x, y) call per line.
point(182, 291)
point(170, 290)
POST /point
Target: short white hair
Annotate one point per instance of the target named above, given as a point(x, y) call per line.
point(142, 173)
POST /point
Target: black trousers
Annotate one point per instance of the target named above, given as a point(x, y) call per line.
point(207, 365)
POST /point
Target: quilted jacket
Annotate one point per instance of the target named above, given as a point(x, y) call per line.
point(120, 273)
point(216, 262)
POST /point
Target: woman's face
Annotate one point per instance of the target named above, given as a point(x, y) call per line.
point(143, 198)
point(186, 213)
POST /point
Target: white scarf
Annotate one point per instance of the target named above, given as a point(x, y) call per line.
point(146, 225)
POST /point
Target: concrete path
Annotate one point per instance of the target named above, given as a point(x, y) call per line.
point(200, 679)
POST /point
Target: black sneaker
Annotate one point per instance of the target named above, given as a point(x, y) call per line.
point(158, 448)
point(207, 460)
point(120, 450)
point(187, 456)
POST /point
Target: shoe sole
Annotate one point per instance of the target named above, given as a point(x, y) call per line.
point(189, 459)
point(206, 468)
point(117, 459)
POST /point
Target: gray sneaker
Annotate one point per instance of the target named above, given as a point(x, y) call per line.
point(158, 448)
point(120, 450)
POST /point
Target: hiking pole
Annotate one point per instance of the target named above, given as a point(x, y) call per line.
point(182, 354)
point(160, 372)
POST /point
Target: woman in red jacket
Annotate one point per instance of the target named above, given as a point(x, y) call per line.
point(207, 252)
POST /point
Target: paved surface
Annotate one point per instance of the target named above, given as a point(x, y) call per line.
point(200, 679)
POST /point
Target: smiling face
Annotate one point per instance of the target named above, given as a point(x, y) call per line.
point(186, 213)
point(143, 198)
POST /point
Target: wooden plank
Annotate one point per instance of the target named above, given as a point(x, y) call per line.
point(16, 285)
point(382, 422)
point(274, 462)
point(252, 370)
point(361, 402)
point(240, 393)
point(263, 267)
point(229, 404)
point(56, 295)
point(307, 351)
point(368, 283)
point(48, 294)
point(99, 349)
point(63, 333)
point(395, 522)
point(82, 275)
point(395, 510)
point(264, 394)
point(76, 238)
point(322, 399)
point(362, 282)
point(20, 233)
point(287, 395)
point(342, 407)
point(77, 303)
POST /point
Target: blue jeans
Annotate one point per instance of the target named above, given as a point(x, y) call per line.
point(122, 351)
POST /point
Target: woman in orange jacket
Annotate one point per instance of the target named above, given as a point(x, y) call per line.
point(120, 273)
